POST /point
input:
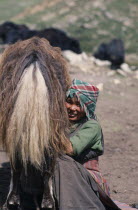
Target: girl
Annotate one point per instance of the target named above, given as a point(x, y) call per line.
point(86, 136)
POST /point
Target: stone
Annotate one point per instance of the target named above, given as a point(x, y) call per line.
point(72, 57)
point(111, 73)
point(100, 86)
point(121, 72)
point(125, 67)
point(116, 81)
point(99, 62)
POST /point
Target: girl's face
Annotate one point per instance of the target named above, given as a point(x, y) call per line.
point(75, 111)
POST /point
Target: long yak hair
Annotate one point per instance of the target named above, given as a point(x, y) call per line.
point(33, 117)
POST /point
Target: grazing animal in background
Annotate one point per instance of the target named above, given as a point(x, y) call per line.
point(33, 117)
point(59, 38)
point(113, 52)
point(11, 33)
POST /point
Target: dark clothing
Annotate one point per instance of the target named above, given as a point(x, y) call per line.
point(74, 188)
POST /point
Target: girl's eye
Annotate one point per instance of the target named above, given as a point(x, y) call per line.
point(78, 104)
point(68, 101)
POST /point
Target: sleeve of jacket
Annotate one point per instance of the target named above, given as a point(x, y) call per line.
point(89, 136)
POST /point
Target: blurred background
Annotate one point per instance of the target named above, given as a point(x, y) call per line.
point(91, 21)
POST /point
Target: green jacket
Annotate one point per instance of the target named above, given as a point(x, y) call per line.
point(89, 135)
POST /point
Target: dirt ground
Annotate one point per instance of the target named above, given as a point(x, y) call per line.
point(117, 111)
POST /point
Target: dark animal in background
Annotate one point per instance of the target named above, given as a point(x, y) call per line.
point(11, 33)
point(113, 51)
point(33, 117)
point(58, 38)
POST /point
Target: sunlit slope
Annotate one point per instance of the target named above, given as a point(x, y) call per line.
point(90, 21)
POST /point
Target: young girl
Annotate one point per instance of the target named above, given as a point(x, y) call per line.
point(86, 136)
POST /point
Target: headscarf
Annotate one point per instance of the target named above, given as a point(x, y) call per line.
point(86, 94)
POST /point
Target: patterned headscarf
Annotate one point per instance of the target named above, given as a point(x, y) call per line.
point(86, 94)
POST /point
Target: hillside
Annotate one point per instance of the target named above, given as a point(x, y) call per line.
point(90, 21)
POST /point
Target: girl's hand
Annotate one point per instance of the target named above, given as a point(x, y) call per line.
point(70, 149)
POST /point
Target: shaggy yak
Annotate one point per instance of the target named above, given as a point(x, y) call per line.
point(113, 51)
point(33, 77)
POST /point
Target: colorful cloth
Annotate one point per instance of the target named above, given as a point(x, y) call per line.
point(123, 206)
point(92, 164)
point(93, 167)
point(87, 95)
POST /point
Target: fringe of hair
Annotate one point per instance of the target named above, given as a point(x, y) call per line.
point(33, 116)
point(28, 130)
